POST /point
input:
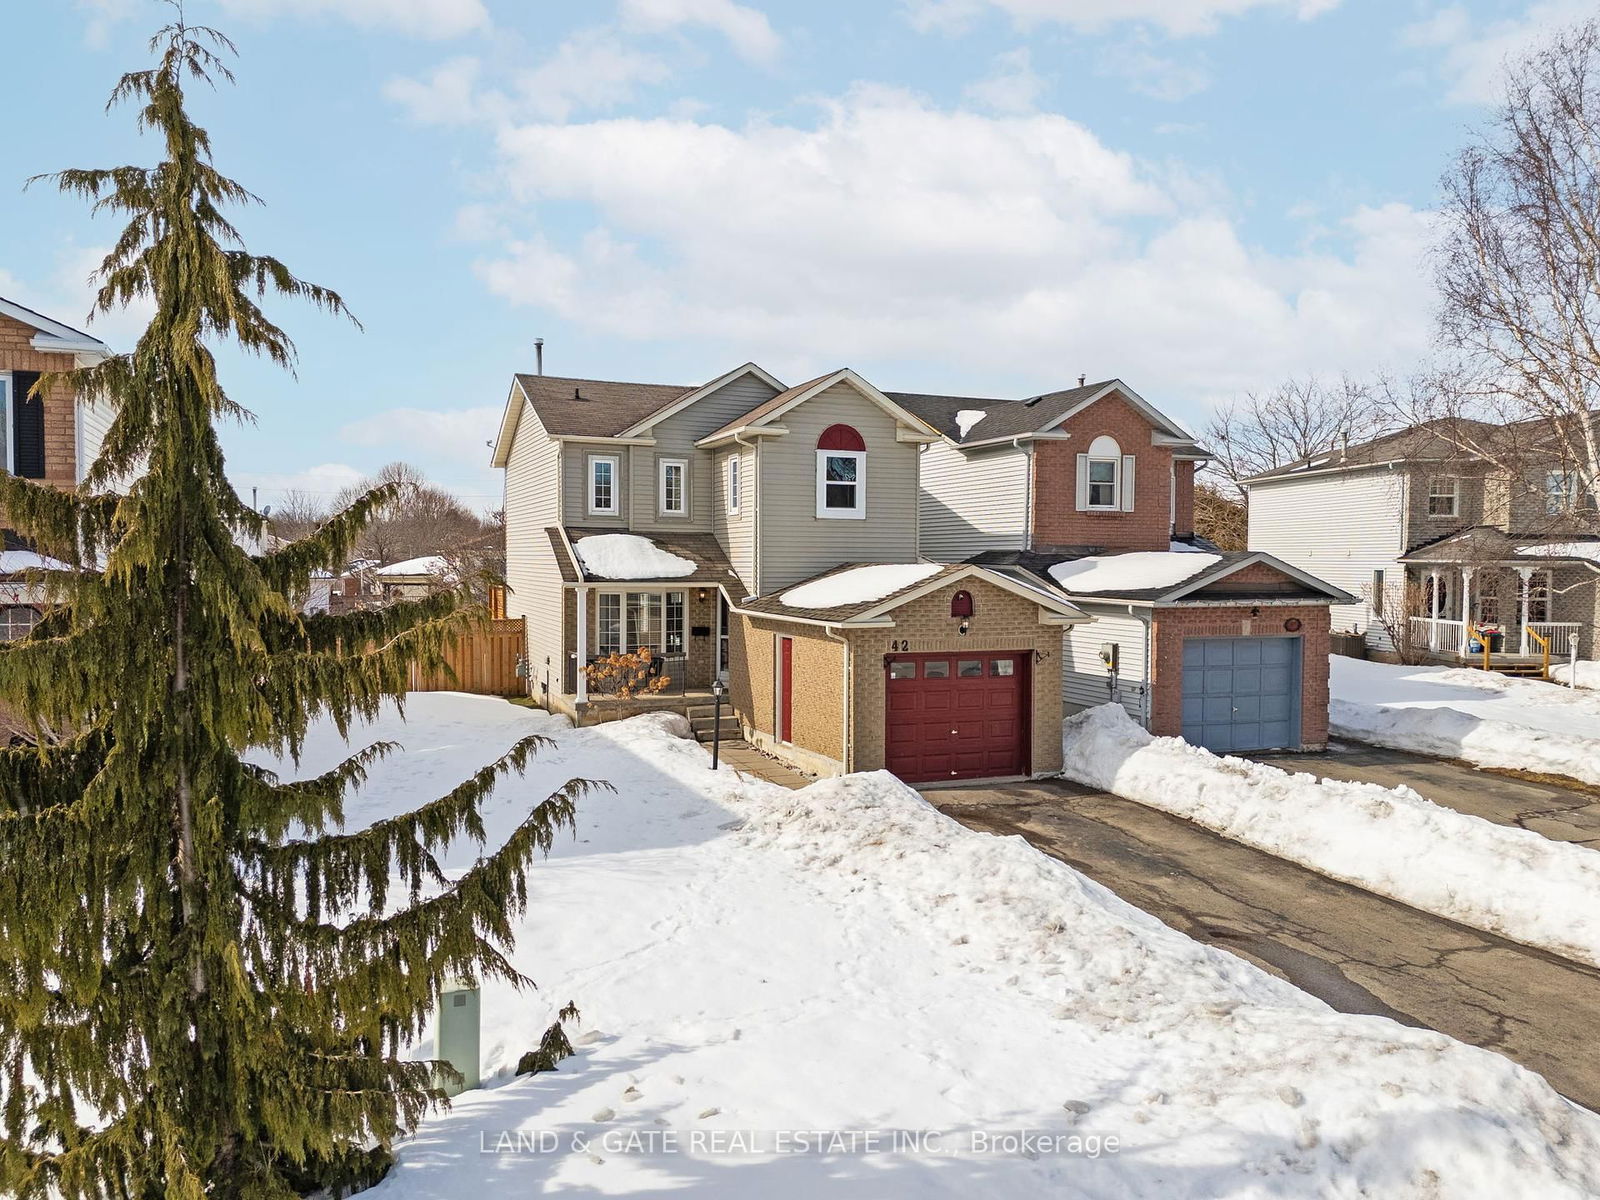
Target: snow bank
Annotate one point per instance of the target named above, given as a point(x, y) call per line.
point(1485, 718)
point(1133, 571)
point(1588, 673)
point(629, 556)
point(859, 585)
point(847, 958)
point(1392, 841)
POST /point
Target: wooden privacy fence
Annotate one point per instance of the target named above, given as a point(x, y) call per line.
point(484, 661)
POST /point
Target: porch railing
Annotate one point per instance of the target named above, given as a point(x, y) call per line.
point(1448, 637)
point(1442, 634)
point(674, 666)
point(1563, 636)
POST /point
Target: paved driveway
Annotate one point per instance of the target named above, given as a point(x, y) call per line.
point(1564, 814)
point(1358, 952)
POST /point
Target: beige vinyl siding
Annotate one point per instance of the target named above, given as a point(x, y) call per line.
point(1341, 527)
point(736, 531)
point(972, 501)
point(575, 483)
point(532, 504)
point(1083, 675)
point(93, 421)
point(794, 542)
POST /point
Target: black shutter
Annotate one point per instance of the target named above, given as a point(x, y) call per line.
point(27, 425)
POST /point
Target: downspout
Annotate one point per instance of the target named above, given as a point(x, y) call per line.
point(1149, 675)
point(846, 745)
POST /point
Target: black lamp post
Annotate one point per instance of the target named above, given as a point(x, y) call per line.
point(718, 691)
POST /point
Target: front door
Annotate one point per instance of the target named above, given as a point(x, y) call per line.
point(786, 689)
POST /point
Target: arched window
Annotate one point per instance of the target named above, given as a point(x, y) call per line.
point(1100, 475)
point(841, 473)
point(16, 620)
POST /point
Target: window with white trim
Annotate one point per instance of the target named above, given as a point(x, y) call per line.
point(630, 621)
point(1444, 496)
point(17, 621)
point(1560, 492)
point(1105, 474)
point(603, 484)
point(839, 483)
point(1538, 597)
point(734, 481)
point(673, 474)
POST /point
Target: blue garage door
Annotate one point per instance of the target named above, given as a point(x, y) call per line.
point(1241, 693)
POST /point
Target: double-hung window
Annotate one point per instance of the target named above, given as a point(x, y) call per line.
point(1560, 492)
point(1444, 496)
point(734, 482)
point(604, 498)
point(674, 487)
point(1103, 482)
point(841, 473)
point(630, 621)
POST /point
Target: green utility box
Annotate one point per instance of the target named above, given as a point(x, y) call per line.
point(458, 1034)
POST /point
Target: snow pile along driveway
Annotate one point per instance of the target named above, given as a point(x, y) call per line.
point(752, 963)
point(1483, 717)
point(1391, 841)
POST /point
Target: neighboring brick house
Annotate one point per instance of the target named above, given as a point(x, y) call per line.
point(766, 535)
point(1437, 540)
point(51, 437)
point(1090, 491)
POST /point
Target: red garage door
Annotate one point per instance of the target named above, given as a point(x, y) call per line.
point(956, 716)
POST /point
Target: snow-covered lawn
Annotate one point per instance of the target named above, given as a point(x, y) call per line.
point(1483, 717)
point(847, 958)
point(1587, 671)
point(1392, 841)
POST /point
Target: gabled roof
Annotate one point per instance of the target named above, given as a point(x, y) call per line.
point(1209, 569)
point(52, 334)
point(570, 407)
point(764, 415)
point(1415, 442)
point(1004, 420)
point(684, 401)
point(876, 610)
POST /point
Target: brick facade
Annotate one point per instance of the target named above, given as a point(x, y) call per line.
point(1183, 497)
point(60, 419)
point(1171, 626)
point(1056, 519)
point(816, 710)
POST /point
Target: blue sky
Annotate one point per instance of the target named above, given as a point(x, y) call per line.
point(976, 196)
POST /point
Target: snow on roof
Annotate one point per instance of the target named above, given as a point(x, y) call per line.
point(968, 417)
point(859, 585)
point(1131, 572)
point(15, 561)
point(1588, 550)
point(428, 564)
point(629, 556)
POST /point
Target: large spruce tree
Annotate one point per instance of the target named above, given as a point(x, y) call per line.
point(205, 985)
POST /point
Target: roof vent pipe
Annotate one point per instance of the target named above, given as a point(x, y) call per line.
point(538, 356)
point(1081, 378)
point(577, 394)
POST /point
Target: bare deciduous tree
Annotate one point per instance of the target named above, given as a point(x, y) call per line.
point(1219, 518)
point(1519, 277)
point(1296, 419)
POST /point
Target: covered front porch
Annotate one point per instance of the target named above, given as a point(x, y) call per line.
point(1500, 616)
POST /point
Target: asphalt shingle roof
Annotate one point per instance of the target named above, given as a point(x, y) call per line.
point(595, 407)
point(702, 549)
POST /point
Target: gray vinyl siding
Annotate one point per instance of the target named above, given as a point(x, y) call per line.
point(736, 531)
point(1340, 527)
point(972, 501)
point(1084, 675)
point(532, 504)
point(793, 541)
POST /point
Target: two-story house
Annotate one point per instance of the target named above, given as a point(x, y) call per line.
point(1090, 491)
point(764, 534)
point(1440, 542)
point(52, 436)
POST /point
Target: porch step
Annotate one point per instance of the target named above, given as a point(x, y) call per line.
point(704, 727)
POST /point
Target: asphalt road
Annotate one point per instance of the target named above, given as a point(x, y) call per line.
point(1358, 952)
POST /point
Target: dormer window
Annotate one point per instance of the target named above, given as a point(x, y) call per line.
point(841, 473)
point(1105, 477)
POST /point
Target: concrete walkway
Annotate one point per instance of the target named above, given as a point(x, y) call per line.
point(1563, 814)
point(1358, 952)
point(742, 756)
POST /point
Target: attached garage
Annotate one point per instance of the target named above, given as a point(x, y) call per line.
point(957, 716)
point(1242, 693)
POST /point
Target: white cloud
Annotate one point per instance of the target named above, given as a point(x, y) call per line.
point(893, 231)
point(1013, 87)
point(66, 294)
point(1142, 70)
point(457, 436)
point(748, 31)
point(594, 69)
point(1177, 17)
point(415, 18)
point(1472, 54)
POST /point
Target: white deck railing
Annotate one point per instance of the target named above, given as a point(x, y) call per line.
point(1449, 636)
point(1441, 634)
point(1563, 637)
